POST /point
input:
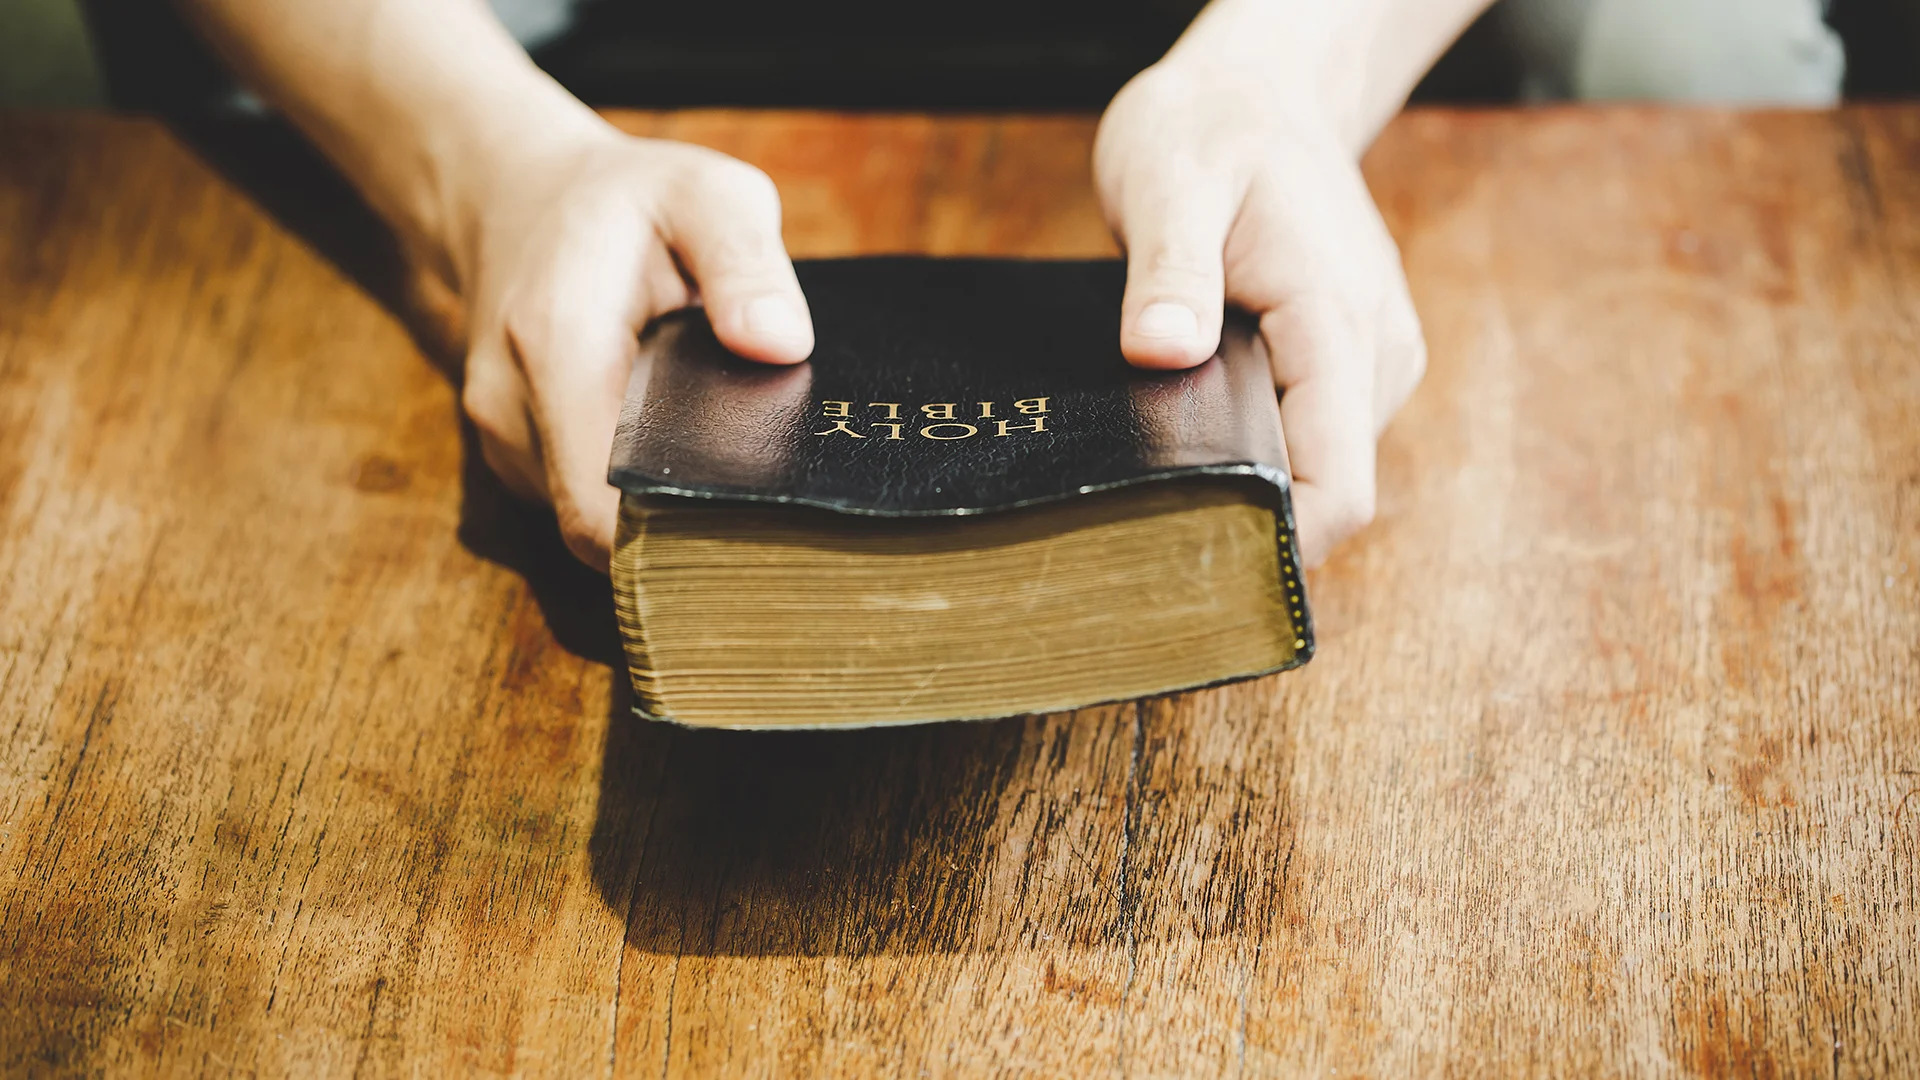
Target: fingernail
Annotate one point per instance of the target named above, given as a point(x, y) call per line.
point(1165, 320)
point(774, 317)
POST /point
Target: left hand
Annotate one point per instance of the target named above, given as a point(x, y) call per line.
point(1227, 187)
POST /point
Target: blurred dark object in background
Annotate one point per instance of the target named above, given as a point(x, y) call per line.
point(984, 54)
point(1883, 46)
point(1480, 69)
point(152, 62)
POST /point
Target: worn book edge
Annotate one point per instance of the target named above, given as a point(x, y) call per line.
point(1292, 573)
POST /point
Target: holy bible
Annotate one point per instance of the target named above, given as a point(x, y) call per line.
point(966, 505)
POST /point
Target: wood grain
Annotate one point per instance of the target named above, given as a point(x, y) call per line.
point(313, 758)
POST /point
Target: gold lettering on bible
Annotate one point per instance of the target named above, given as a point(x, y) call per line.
point(938, 421)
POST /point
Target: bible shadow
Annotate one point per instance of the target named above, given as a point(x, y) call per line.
point(803, 843)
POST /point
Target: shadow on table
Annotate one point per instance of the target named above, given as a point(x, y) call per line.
point(283, 175)
point(709, 842)
point(509, 532)
point(289, 180)
point(812, 843)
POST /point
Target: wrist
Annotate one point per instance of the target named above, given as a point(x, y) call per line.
point(1217, 99)
point(1306, 61)
point(499, 147)
point(1350, 64)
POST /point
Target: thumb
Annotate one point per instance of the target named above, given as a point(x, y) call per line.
point(725, 227)
point(1170, 316)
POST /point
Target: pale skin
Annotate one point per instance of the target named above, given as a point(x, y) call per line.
point(1228, 171)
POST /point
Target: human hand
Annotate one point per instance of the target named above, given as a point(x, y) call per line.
point(568, 254)
point(1224, 185)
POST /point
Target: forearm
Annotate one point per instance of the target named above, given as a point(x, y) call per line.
point(421, 103)
point(1352, 61)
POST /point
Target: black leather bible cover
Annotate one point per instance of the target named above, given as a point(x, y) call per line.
point(948, 387)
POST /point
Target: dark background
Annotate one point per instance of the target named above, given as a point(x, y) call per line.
point(984, 54)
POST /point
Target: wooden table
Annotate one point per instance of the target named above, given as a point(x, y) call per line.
point(312, 759)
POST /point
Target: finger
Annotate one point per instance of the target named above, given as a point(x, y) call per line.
point(724, 223)
point(494, 398)
point(519, 471)
point(575, 340)
point(1170, 316)
point(577, 378)
point(1403, 353)
point(1322, 364)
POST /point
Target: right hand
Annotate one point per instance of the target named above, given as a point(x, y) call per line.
point(568, 255)
point(1227, 184)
